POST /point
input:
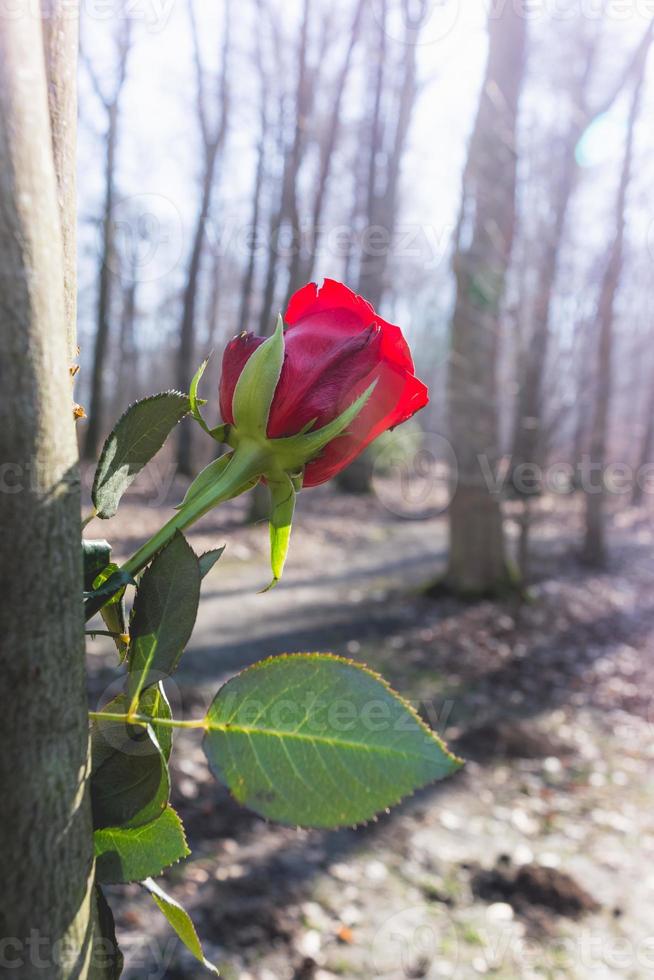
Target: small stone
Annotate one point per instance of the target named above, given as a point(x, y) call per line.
point(499, 912)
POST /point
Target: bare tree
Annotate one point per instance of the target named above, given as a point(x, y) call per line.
point(594, 551)
point(388, 139)
point(527, 443)
point(111, 105)
point(44, 807)
point(477, 560)
point(214, 136)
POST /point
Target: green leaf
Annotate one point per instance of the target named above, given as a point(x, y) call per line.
point(96, 556)
point(130, 782)
point(107, 961)
point(257, 383)
point(180, 921)
point(319, 741)
point(108, 587)
point(165, 608)
point(209, 559)
point(282, 494)
point(108, 734)
point(210, 476)
point(125, 854)
point(137, 436)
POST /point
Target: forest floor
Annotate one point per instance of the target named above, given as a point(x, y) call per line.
point(537, 860)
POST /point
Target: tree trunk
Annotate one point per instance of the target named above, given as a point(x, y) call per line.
point(477, 560)
point(47, 845)
point(594, 549)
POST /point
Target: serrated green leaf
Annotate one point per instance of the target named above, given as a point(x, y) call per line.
point(319, 741)
point(107, 961)
point(257, 383)
point(130, 782)
point(209, 559)
point(165, 609)
point(112, 735)
point(134, 854)
point(282, 493)
point(180, 921)
point(137, 436)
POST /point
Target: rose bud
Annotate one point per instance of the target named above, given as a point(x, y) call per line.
point(336, 347)
point(300, 406)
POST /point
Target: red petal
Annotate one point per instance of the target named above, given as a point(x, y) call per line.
point(336, 308)
point(396, 398)
point(318, 377)
point(235, 357)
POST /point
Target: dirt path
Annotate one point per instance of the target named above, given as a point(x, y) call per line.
point(549, 702)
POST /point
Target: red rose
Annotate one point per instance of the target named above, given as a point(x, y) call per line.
point(335, 347)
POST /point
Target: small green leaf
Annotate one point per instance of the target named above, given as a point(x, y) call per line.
point(111, 734)
point(319, 741)
point(125, 854)
point(257, 383)
point(96, 556)
point(282, 494)
point(165, 608)
point(180, 921)
point(108, 587)
point(137, 436)
point(130, 782)
point(108, 961)
point(209, 559)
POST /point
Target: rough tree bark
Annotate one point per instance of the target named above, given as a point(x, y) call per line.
point(213, 142)
point(477, 560)
point(111, 105)
point(594, 548)
point(46, 843)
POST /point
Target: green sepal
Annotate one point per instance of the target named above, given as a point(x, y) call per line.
point(180, 921)
point(124, 854)
point(256, 386)
point(282, 493)
point(209, 477)
point(218, 432)
point(293, 452)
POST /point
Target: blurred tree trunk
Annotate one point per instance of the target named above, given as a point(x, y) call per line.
point(213, 142)
point(594, 550)
point(328, 144)
point(387, 144)
point(477, 560)
point(94, 429)
point(527, 442)
point(47, 844)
